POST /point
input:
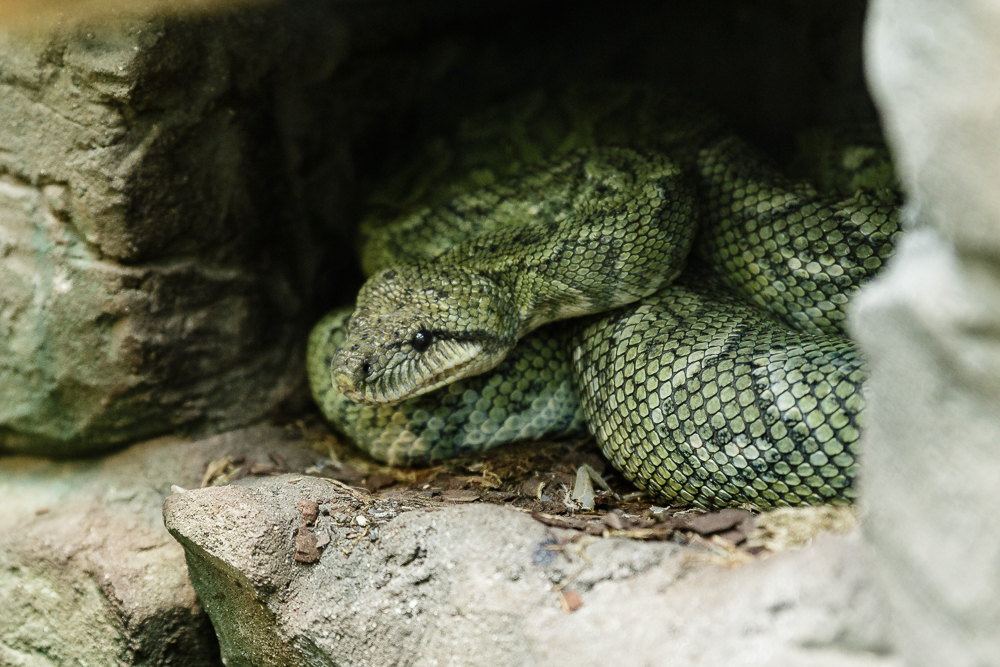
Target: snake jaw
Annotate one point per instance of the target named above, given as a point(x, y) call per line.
point(451, 362)
point(448, 361)
point(343, 383)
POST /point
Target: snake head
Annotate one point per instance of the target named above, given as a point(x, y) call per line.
point(419, 327)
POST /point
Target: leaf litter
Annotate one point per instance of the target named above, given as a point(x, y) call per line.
point(562, 484)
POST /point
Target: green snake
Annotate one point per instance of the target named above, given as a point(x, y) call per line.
point(614, 259)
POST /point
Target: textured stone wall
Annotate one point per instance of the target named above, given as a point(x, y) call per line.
point(148, 227)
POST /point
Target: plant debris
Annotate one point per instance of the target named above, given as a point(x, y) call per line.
point(229, 469)
point(566, 485)
point(308, 511)
point(570, 601)
point(794, 527)
point(307, 544)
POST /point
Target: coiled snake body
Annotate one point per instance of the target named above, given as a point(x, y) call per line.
point(706, 351)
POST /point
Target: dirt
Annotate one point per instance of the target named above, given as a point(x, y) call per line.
point(536, 477)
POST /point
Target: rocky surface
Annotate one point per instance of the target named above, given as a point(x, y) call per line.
point(296, 570)
point(167, 190)
point(88, 573)
point(482, 560)
point(931, 327)
point(170, 191)
point(135, 288)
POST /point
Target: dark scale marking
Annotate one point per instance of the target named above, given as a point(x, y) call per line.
point(670, 422)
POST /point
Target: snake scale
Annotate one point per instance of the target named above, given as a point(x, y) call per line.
point(614, 259)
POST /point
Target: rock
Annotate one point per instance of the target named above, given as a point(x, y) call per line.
point(23, 13)
point(141, 178)
point(483, 584)
point(931, 328)
point(171, 193)
point(88, 573)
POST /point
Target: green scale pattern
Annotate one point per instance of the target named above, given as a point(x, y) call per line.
point(581, 233)
point(734, 385)
point(796, 252)
point(709, 400)
point(529, 396)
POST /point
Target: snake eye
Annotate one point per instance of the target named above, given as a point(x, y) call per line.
point(422, 340)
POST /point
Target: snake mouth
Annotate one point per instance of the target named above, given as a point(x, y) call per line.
point(449, 361)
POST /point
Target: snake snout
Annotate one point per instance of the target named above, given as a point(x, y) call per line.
point(350, 368)
point(344, 383)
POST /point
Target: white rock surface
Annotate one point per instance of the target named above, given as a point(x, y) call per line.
point(478, 585)
point(931, 327)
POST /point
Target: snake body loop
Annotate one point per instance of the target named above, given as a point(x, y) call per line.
point(539, 296)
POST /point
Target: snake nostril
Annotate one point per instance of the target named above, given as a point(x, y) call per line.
point(365, 369)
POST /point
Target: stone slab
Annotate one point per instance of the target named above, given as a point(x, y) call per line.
point(931, 329)
point(137, 293)
point(482, 584)
point(88, 573)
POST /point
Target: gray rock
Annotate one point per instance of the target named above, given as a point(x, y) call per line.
point(481, 584)
point(136, 291)
point(931, 327)
point(171, 190)
point(88, 573)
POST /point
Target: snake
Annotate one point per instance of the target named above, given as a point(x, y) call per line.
point(615, 260)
